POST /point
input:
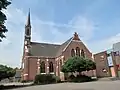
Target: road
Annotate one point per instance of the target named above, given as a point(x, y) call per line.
point(98, 85)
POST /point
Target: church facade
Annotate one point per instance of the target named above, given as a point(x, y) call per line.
point(47, 58)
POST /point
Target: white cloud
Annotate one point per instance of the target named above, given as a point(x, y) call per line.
point(104, 44)
point(84, 26)
point(42, 31)
point(60, 32)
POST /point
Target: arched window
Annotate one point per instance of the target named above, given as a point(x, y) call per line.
point(60, 63)
point(77, 51)
point(42, 67)
point(82, 53)
point(51, 68)
point(72, 53)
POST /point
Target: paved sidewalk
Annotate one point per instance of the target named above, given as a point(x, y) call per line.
point(97, 85)
point(15, 83)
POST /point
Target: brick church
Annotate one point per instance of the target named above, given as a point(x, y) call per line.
point(45, 58)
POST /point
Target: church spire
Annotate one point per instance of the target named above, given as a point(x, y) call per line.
point(28, 19)
point(28, 29)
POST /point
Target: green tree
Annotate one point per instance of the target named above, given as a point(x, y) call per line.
point(78, 64)
point(3, 29)
point(6, 72)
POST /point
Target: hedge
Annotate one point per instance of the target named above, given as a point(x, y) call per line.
point(46, 79)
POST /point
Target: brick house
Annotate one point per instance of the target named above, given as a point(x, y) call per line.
point(106, 64)
point(48, 58)
point(102, 68)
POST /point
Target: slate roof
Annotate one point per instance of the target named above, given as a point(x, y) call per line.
point(43, 49)
point(63, 46)
point(46, 49)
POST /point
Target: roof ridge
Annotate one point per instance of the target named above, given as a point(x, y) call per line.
point(67, 40)
point(63, 45)
point(46, 43)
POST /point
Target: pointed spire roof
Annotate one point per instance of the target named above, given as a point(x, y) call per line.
point(76, 37)
point(28, 19)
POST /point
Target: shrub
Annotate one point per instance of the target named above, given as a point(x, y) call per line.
point(79, 78)
point(46, 79)
point(58, 80)
point(24, 81)
point(71, 77)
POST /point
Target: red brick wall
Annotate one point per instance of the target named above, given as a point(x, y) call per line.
point(32, 68)
point(73, 45)
point(101, 63)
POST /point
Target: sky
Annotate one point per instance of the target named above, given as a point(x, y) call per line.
point(54, 21)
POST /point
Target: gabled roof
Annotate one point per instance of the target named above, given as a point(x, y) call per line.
point(46, 49)
point(63, 46)
point(43, 49)
point(50, 50)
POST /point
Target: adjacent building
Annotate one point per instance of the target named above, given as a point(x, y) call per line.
point(102, 69)
point(108, 62)
point(45, 58)
point(116, 58)
point(105, 65)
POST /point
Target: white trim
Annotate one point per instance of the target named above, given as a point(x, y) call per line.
point(52, 73)
point(68, 44)
point(56, 59)
point(25, 74)
point(27, 35)
point(42, 73)
point(26, 47)
point(62, 57)
point(61, 72)
point(80, 52)
point(77, 40)
point(38, 63)
point(23, 65)
point(93, 56)
point(47, 60)
point(38, 60)
point(102, 56)
point(85, 54)
point(25, 42)
point(75, 51)
point(26, 50)
point(47, 67)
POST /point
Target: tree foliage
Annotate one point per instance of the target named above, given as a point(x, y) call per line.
point(78, 64)
point(3, 29)
point(6, 72)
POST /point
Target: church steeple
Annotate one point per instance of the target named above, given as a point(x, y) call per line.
point(28, 25)
point(28, 19)
point(28, 29)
